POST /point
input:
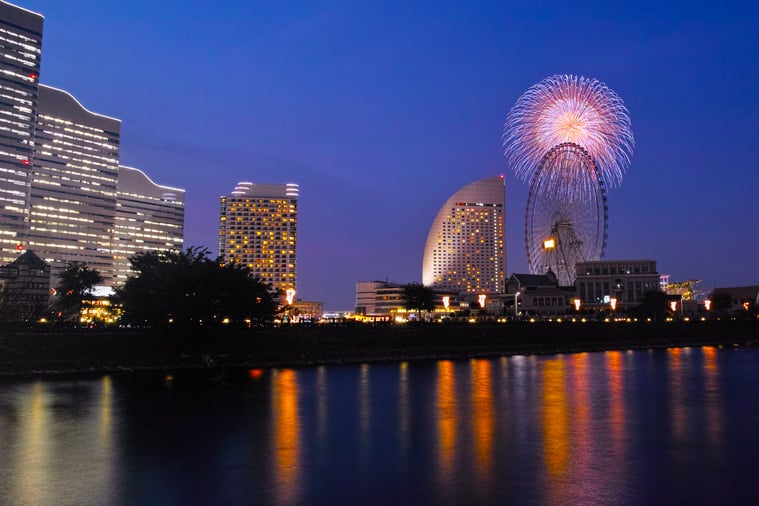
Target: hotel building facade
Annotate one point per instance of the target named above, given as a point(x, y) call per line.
point(257, 228)
point(465, 248)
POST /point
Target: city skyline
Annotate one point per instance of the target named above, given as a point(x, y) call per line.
point(379, 114)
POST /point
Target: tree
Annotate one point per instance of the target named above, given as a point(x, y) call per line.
point(9, 302)
point(653, 304)
point(722, 302)
point(419, 297)
point(75, 283)
point(189, 289)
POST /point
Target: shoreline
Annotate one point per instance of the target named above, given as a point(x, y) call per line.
point(84, 352)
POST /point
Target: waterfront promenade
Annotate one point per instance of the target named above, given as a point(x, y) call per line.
point(60, 351)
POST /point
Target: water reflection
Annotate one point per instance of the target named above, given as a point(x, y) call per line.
point(712, 397)
point(61, 439)
point(614, 372)
point(31, 476)
point(322, 402)
point(364, 403)
point(404, 407)
point(677, 394)
point(286, 440)
point(581, 403)
point(446, 420)
point(673, 427)
point(555, 418)
point(483, 416)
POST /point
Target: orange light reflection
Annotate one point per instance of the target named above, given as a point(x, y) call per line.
point(676, 393)
point(614, 368)
point(446, 419)
point(713, 399)
point(555, 418)
point(483, 416)
point(286, 435)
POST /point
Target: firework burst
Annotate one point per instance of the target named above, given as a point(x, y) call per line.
point(569, 109)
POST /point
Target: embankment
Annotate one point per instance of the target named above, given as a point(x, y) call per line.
point(77, 351)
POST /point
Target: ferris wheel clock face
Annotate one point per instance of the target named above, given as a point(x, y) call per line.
point(567, 214)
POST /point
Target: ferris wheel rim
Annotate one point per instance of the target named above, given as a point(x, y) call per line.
point(598, 204)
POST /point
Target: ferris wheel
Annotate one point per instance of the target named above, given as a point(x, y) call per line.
point(567, 213)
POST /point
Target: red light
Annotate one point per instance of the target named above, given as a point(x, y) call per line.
point(501, 176)
point(19, 246)
point(25, 162)
point(33, 75)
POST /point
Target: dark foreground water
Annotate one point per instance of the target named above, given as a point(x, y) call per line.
point(673, 426)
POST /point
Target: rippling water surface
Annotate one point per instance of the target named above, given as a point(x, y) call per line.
point(643, 427)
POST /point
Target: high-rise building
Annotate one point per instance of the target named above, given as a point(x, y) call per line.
point(257, 228)
point(73, 194)
point(20, 54)
point(60, 186)
point(149, 217)
point(465, 249)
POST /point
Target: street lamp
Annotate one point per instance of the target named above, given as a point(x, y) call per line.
point(516, 304)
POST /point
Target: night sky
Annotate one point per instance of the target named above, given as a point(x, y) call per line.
point(380, 111)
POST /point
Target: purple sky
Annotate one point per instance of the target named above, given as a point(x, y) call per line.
point(380, 111)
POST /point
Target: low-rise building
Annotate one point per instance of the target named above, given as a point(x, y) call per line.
point(309, 309)
point(376, 298)
point(742, 298)
point(25, 292)
point(381, 299)
point(539, 294)
point(599, 281)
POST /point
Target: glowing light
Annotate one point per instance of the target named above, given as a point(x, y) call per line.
point(569, 109)
point(19, 247)
point(577, 303)
point(290, 296)
point(613, 303)
point(446, 301)
point(26, 162)
point(708, 305)
point(549, 243)
point(255, 373)
point(481, 300)
point(673, 305)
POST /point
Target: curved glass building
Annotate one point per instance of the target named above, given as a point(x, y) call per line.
point(465, 251)
point(73, 192)
point(149, 217)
